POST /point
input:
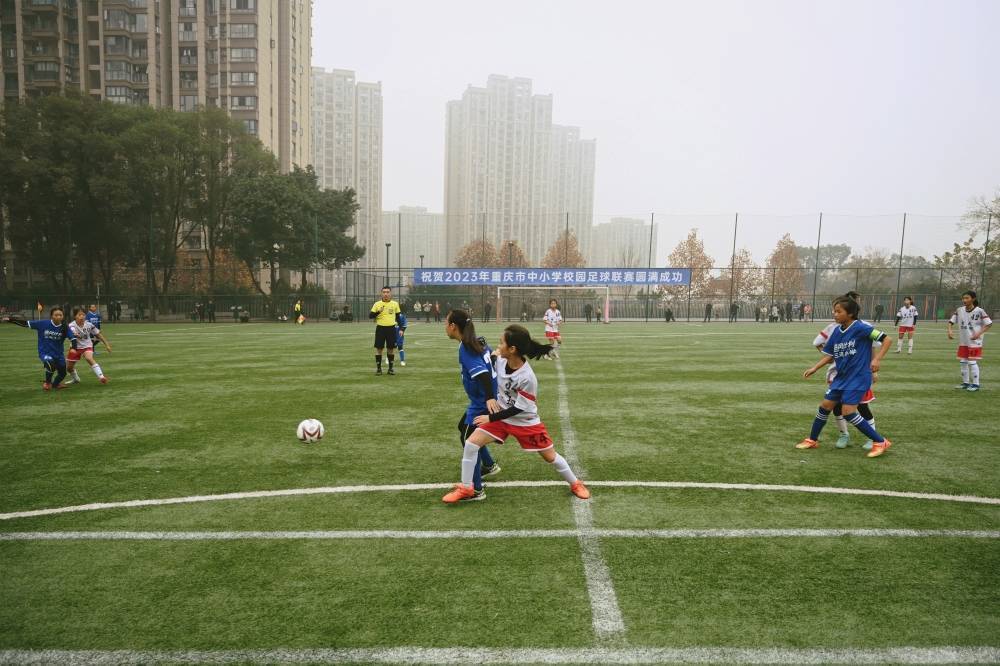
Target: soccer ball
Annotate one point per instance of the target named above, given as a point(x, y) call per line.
point(310, 430)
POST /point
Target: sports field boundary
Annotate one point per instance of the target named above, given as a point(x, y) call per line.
point(334, 490)
point(474, 655)
point(593, 533)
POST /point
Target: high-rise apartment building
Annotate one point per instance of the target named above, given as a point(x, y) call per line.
point(622, 242)
point(250, 57)
point(347, 150)
point(510, 174)
point(417, 237)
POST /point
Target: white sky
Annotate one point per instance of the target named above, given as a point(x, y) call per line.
point(762, 107)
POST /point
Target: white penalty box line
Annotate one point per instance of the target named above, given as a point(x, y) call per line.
point(480, 655)
point(595, 533)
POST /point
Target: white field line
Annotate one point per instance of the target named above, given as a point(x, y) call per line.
point(335, 490)
point(473, 655)
point(605, 613)
point(332, 535)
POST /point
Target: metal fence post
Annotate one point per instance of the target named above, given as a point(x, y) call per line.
point(819, 235)
point(986, 253)
point(899, 271)
point(732, 264)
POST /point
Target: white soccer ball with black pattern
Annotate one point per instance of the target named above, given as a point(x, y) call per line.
point(310, 430)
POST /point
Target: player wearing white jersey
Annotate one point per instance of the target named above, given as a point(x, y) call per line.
point(906, 320)
point(553, 318)
point(518, 415)
point(844, 440)
point(83, 346)
point(973, 323)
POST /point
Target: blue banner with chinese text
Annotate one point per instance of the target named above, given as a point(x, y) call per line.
point(525, 277)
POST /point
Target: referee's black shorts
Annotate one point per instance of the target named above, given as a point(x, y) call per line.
point(385, 336)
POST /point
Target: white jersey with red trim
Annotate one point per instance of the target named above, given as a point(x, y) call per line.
point(907, 315)
point(517, 389)
point(552, 320)
point(969, 322)
point(85, 335)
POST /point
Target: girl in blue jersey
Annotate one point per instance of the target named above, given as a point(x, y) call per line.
point(480, 383)
point(850, 347)
point(52, 332)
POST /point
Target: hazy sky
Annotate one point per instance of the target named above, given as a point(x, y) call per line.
point(779, 108)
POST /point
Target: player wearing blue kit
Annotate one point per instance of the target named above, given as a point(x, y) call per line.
point(480, 382)
point(850, 347)
point(400, 333)
point(52, 332)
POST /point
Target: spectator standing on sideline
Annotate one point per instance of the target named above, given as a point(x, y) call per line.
point(734, 309)
point(668, 315)
point(210, 309)
point(708, 313)
point(418, 309)
point(788, 311)
point(427, 311)
point(588, 311)
point(437, 311)
point(802, 311)
point(487, 310)
point(879, 309)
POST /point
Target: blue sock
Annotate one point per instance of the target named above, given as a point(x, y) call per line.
point(402, 355)
point(819, 422)
point(484, 456)
point(861, 424)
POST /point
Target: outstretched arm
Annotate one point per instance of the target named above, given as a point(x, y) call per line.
point(16, 319)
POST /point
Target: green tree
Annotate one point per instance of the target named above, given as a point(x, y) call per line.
point(225, 153)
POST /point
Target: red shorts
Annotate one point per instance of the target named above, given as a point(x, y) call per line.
point(531, 438)
point(75, 355)
point(869, 397)
point(970, 352)
point(551, 334)
point(907, 329)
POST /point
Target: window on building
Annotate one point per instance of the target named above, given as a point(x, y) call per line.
point(189, 80)
point(117, 70)
point(242, 30)
point(213, 80)
point(189, 55)
point(116, 45)
point(238, 102)
point(141, 23)
point(243, 78)
point(189, 102)
point(213, 56)
point(243, 55)
point(250, 126)
point(117, 94)
point(187, 8)
point(188, 32)
point(243, 5)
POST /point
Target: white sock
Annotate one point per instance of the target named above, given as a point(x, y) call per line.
point(76, 376)
point(842, 425)
point(563, 468)
point(97, 370)
point(965, 371)
point(911, 345)
point(899, 344)
point(470, 458)
point(974, 370)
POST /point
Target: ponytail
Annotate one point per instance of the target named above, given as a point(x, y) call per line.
point(467, 328)
point(517, 336)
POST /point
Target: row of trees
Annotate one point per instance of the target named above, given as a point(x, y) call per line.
point(564, 253)
point(92, 190)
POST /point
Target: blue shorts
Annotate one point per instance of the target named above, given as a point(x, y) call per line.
point(845, 396)
point(52, 363)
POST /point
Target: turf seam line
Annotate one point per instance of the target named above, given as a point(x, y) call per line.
point(331, 490)
point(606, 615)
point(472, 655)
point(114, 535)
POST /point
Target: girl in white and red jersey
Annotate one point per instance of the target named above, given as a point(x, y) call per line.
point(553, 318)
point(83, 346)
point(906, 320)
point(844, 440)
point(973, 322)
point(518, 415)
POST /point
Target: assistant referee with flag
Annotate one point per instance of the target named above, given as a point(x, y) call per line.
point(385, 312)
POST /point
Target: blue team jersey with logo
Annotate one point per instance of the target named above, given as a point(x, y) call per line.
point(94, 318)
point(474, 365)
point(851, 349)
point(50, 338)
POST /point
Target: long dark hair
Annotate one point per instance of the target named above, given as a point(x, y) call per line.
point(467, 328)
point(517, 336)
point(975, 301)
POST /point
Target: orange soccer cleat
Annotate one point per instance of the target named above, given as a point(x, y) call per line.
point(459, 493)
point(878, 448)
point(580, 490)
point(807, 444)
